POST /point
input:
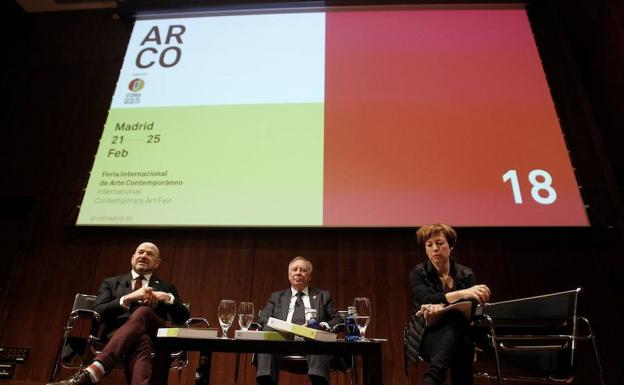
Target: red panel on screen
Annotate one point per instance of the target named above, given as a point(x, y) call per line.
point(425, 110)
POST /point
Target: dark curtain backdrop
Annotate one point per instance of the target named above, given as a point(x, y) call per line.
point(58, 75)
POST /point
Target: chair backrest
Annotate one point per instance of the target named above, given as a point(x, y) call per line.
point(555, 306)
point(534, 336)
point(84, 302)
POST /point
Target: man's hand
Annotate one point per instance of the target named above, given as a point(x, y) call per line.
point(143, 294)
point(158, 296)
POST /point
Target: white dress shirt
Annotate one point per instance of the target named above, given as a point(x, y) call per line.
point(306, 302)
point(144, 283)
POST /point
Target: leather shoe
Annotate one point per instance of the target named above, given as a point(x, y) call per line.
point(265, 380)
point(428, 380)
point(80, 378)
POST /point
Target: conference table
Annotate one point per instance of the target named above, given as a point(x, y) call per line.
point(370, 351)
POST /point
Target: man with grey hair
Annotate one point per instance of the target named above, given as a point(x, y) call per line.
point(289, 305)
point(133, 306)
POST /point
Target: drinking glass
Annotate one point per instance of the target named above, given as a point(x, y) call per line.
point(245, 314)
point(226, 313)
point(363, 314)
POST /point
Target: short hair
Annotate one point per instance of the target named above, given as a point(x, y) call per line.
point(428, 231)
point(300, 258)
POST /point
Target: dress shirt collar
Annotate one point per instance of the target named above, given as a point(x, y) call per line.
point(145, 276)
point(295, 291)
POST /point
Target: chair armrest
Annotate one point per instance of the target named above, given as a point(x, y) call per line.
point(583, 323)
point(192, 320)
point(85, 313)
point(91, 315)
point(337, 328)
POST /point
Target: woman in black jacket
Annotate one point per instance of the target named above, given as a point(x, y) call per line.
point(442, 337)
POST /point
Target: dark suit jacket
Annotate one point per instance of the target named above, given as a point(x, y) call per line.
point(113, 315)
point(277, 306)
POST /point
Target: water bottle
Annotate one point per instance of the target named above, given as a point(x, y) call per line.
point(311, 320)
point(353, 332)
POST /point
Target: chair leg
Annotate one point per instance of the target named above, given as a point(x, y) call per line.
point(499, 373)
point(600, 372)
point(59, 356)
point(55, 368)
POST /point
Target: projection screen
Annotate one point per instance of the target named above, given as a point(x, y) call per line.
point(358, 117)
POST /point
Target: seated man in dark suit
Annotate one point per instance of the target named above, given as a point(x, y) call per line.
point(133, 306)
point(289, 305)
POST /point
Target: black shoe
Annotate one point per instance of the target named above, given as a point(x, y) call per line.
point(265, 380)
point(80, 378)
point(428, 380)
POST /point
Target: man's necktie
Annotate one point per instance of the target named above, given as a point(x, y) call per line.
point(138, 283)
point(299, 313)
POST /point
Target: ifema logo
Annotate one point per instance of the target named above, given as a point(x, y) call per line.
point(136, 85)
point(134, 96)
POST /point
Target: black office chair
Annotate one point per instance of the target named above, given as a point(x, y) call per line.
point(534, 339)
point(80, 342)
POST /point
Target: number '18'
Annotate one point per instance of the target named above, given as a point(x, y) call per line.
point(541, 180)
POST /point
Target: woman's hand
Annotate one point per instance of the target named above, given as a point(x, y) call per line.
point(431, 312)
point(480, 293)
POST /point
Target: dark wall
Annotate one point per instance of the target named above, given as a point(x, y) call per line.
point(59, 72)
point(582, 48)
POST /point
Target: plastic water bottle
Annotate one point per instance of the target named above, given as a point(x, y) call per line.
point(353, 332)
point(311, 320)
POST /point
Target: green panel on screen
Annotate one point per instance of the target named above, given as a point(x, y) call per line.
point(246, 165)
